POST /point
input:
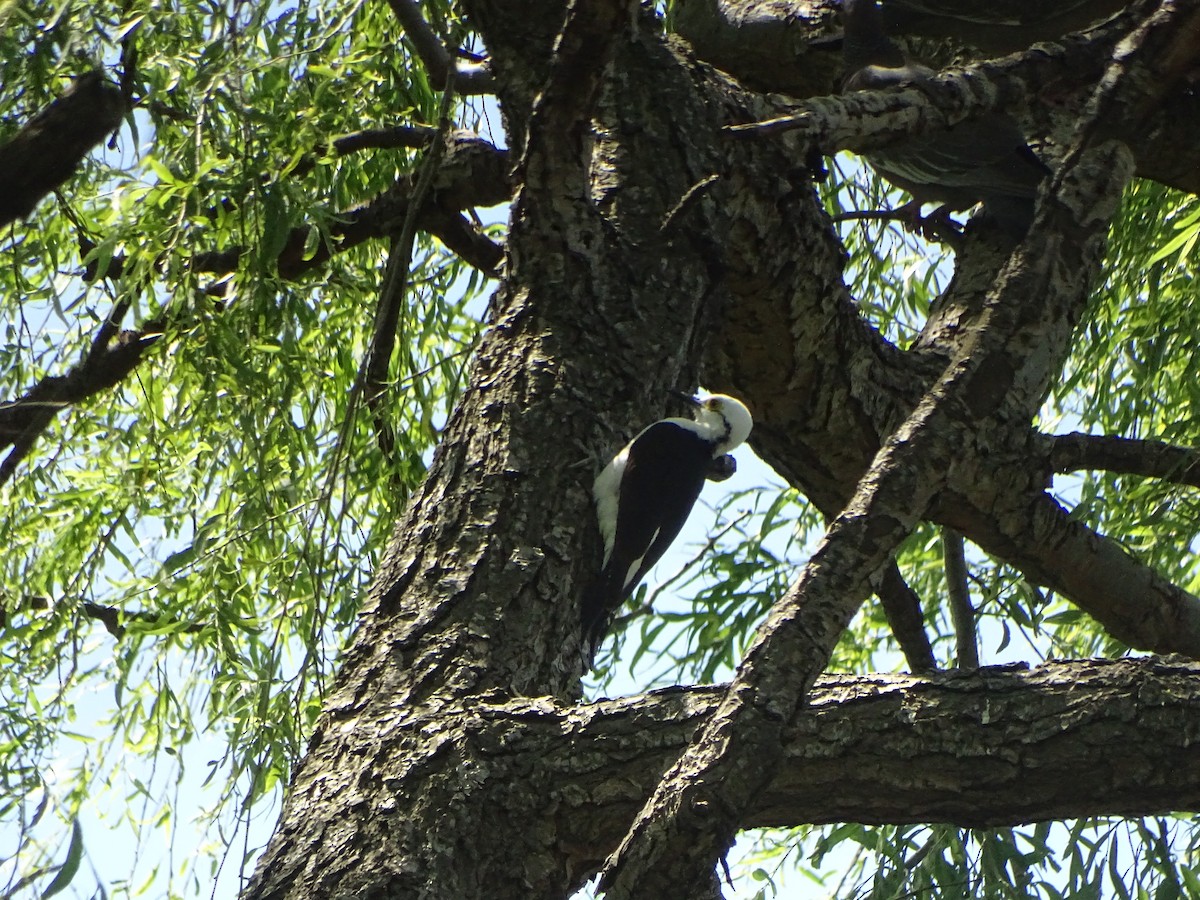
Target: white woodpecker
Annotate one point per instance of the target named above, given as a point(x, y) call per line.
point(645, 494)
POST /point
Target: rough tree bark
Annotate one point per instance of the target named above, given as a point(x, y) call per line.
point(650, 245)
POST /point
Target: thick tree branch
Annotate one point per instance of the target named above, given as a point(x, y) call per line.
point(1061, 75)
point(998, 746)
point(1131, 599)
point(794, 47)
point(866, 120)
point(1077, 452)
point(48, 150)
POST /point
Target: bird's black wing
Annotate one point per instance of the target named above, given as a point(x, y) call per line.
point(666, 467)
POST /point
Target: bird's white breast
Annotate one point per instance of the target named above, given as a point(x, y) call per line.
point(606, 491)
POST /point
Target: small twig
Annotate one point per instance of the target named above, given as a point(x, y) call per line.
point(395, 285)
point(769, 127)
point(474, 78)
point(710, 544)
point(687, 199)
point(958, 592)
point(868, 215)
point(937, 226)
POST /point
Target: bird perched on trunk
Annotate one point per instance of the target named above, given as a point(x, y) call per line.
point(643, 497)
point(982, 160)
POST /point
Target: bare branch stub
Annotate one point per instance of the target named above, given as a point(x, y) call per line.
point(902, 607)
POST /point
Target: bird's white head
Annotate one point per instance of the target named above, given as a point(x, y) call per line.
point(725, 418)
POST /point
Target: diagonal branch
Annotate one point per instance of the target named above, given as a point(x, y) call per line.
point(111, 357)
point(49, 149)
point(473, 78)
point(693, 816)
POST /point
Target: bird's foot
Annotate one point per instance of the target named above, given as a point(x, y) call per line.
point(937, 227)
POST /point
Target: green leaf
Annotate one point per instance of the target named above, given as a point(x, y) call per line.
point(67, 871)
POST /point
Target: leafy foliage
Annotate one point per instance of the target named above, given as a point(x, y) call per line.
point(228, 501)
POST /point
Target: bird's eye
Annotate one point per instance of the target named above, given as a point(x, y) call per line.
point(711, 403)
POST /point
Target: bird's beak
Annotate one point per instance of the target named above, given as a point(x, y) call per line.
point(686, 398)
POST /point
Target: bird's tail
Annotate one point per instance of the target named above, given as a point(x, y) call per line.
point(601, 599)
